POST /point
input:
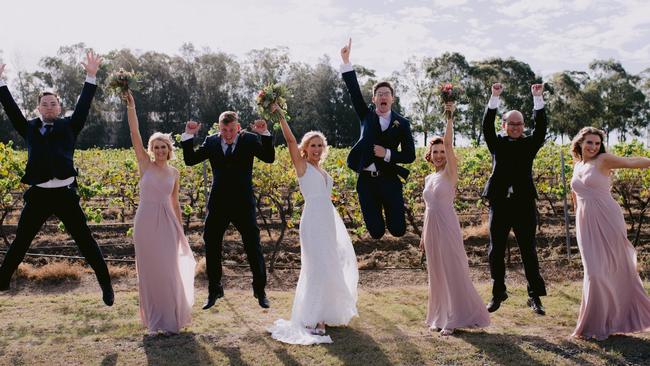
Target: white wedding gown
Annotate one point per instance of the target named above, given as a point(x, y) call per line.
point(327, 286)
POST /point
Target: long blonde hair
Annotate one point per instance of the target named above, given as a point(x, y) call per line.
point(305, 141)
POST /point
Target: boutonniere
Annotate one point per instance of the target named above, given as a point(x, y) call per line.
point(395, 123)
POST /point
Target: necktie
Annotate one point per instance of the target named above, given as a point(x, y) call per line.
point(48, 129)
point(229, 150)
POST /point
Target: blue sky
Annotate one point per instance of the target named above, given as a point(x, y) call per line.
point(551, 35)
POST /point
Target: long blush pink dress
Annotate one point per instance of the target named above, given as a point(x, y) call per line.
point(613, 297)
point(164, 261)
point(453, 300)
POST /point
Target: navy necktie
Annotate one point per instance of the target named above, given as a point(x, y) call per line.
point(229, 150)
point(48, 129)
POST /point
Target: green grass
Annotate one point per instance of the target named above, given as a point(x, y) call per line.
point(76, 328)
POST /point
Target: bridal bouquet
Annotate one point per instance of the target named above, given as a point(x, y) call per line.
point(449, 93)
point(121, 81)
point(272, 93)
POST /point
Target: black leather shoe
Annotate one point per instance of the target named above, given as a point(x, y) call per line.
point(536, 304)
point(495, 303)
point(212, 298)
point(262, 299)
point(108, 295)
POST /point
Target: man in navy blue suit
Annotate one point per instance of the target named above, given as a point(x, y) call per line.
point(385, 141)
point(231, 154)
point(50, 172)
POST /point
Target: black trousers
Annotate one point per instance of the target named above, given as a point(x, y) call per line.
point(520, 215)
point(377, 194)
point(40, 204)
point(244, 221)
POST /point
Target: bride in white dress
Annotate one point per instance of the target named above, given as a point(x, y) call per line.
point(326, 293)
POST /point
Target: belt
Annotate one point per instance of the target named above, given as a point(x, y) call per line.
point(373, 174)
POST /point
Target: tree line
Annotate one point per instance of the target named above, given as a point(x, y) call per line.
point(200, 83)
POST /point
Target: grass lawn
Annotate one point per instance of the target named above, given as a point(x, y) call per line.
point(75, 328)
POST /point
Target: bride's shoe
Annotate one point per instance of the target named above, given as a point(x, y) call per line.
point(446, 332)
point(318, 331)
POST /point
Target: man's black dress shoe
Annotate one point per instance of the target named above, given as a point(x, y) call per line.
point(495, 303)
point(107, 294)
point(212, 298)
point(262, 299)
point(536, 304)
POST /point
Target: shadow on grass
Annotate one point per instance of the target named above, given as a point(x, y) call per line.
point(406, 351)
point(354, 347)
point(181, 349)
point(109, 360)
point(506, 349)
point(625, 349)
point(234, 353)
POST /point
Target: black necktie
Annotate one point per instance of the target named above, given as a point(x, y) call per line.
point(48, 129)
point(229, 150)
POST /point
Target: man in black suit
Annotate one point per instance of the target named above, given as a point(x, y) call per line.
point(511, 193)
point(231, 155)
point(385, 141)
point(51, 174)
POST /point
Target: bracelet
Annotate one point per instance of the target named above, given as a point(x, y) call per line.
point(131, 108)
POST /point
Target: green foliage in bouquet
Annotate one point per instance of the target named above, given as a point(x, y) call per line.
point(121, 81)
point(272, 93)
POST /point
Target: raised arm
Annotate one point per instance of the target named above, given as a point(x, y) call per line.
point(191, 156)
point(539, 115)
point(264, 149)
point(448, 141)
point(136, 139)
point(296, 158)
point(350, 78)
point(14, 113)
point(610, 161)
point(81, 110)
point(489, 133)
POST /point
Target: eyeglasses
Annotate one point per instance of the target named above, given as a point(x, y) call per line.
point(383, 94)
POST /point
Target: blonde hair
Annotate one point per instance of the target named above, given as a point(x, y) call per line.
point(305, 141)
point(579, 138)
point(167, 139)
point(435, 140)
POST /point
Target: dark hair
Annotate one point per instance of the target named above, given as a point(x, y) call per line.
point(40, 96)
point(579, 138)
point(227, 117)
point(383, 84)
point(435, 140)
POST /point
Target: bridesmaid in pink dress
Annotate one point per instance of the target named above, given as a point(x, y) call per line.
point(453, 300)
point(613, 297)
point(164, 261)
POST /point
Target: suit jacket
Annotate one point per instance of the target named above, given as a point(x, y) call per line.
point(49, 156)
point(397, 137)
point(512, 160)
point(232, 177)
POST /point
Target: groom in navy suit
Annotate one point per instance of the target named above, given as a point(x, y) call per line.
point(231, 154)
point(50, 172)
point(385, 141)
